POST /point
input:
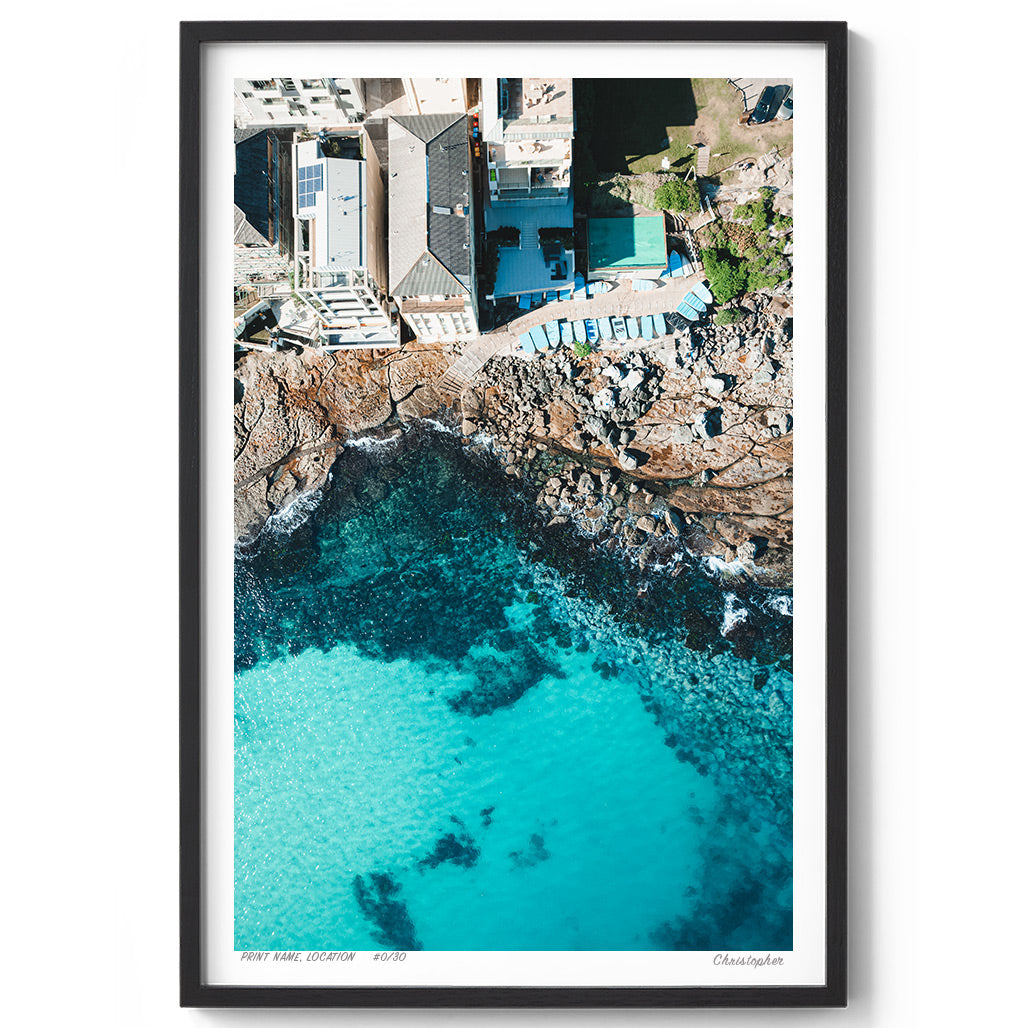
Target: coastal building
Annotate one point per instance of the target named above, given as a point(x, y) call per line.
point(262, 233)
point(389, 97)
point(311, 103)
point(626, 247)
point(528, 126)
point(262, 183)
point(436, 96)
point(431, 226)
point(527, 132)
point(340, 263)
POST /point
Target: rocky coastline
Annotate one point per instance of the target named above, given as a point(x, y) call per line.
point(676, 449)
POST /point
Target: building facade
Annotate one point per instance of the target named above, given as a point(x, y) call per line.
point(436, 96)
point(431, 226)
point(527, 131)
point(527, 128)
point(311, 103)
point(336, 250)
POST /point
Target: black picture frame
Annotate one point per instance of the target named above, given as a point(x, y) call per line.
point(193, 990)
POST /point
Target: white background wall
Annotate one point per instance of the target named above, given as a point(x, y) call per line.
point(90, 407)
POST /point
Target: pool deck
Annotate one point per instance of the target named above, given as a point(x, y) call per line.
point(627, 244)
point(621, 300)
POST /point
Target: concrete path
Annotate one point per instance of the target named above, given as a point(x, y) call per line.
point(621, 300)
point(472, 359)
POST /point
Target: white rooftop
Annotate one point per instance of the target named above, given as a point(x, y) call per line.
point(336, 205)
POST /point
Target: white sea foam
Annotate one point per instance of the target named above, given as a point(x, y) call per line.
point(729, 569)
point(290, 517)
point(781, 604)
point(483, 439)
point(371, 442)
point(735, 613)
point(440, 427)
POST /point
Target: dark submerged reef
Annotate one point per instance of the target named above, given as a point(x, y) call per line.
point(379, 904)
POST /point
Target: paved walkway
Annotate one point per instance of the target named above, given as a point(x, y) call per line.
point(621, 300)
point(472, 359)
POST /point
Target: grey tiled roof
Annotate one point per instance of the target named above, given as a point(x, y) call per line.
point(427, 278)
point(241, 135)
point(244, 234)
point(429, 167)
point(426, 126)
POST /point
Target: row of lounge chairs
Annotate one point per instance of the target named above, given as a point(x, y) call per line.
point(592, 330)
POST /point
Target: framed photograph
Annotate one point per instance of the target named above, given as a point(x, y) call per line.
point(513, 628)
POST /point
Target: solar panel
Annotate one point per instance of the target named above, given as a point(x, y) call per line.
point(309, 181)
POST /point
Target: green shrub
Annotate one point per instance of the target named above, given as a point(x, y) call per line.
point(676, 195)
point(564, 236)
point(581, 349)
point(729, 316)
point(762, 278)
point(506, 235)
point(727, 279)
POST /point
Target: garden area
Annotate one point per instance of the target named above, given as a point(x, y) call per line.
point(748, 252)
point(627, 127)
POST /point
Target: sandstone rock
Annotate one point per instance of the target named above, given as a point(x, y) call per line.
point(646, 524)
point(633, 380)
point(708, 423)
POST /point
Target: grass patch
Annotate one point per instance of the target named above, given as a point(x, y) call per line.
point(652, 117)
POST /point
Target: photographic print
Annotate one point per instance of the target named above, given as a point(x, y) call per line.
point(512, 518)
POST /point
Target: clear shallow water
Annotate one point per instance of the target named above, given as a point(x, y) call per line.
point(455, 731)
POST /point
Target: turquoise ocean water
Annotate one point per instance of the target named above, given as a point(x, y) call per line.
point(456, 730)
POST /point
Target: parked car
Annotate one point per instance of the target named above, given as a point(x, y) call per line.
point(785, 111)
point(762, 111)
